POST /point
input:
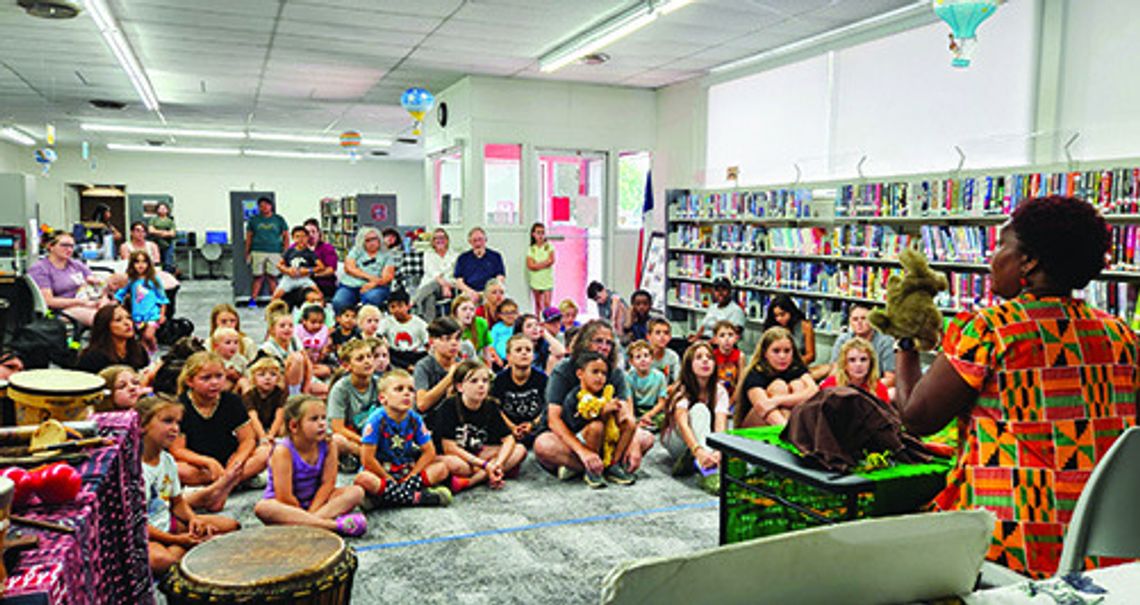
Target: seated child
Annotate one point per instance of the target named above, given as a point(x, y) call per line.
point(858, 366)
point(400, 464)
point(297, 265)
point(302, 476)
point(226, 342)
point(548, 351)
point(582, 426)
point(313, 335)
point(345, 327)
point(224, 315)
point(264, 400)
point(504, 328)
point(406, 334)
point(477, 442)
point(122, 382)
point(352, 398)
point(776, 381)
point(217, 437)
point(433, 374)
point(729, 359)
point(569, 310)
point(172, 526)
point(520, 391)
point(698, 406)
point(282, 344)
point(368, 321)
point(646, 386)
point(664, 358)
point(381, 355)
point(314, 297)
point(145, 297)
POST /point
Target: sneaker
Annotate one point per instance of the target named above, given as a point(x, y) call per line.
point(594, 480)
point(616, 473)
point(352, 525)
point(683, 465)
point(436, 496)
point(565, 473)
point(348, 463)
point(253, 483)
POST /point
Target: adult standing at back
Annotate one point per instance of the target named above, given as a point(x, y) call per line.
point(439, 271)
point(266, 237)
point(368, 273)
point(325, 277)
point(477, 266)
point(161, 230)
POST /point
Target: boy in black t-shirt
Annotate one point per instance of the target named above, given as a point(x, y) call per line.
point(520, 391)
point(346, 328)
point(297, 265)
point(475, 436)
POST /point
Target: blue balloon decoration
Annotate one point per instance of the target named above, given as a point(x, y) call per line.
point(417, 100)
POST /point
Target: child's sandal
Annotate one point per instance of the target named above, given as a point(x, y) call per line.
point(352, 525)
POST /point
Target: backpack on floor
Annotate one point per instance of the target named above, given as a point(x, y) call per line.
point(43, 342)
point(173, 329)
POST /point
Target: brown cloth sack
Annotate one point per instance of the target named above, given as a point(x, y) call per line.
point(836, 426)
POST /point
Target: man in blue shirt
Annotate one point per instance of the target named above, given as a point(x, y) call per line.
point(477, 266)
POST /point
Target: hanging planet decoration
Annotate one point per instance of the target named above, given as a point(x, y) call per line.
point(964, 17)
point(417, 102)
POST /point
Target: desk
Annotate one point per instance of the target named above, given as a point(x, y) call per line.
point(105, 560)
point(766, 489)
point(1122, 583)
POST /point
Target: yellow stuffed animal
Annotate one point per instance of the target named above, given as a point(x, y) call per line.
point(911, 312)
point(590, 407)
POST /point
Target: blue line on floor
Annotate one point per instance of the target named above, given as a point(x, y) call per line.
point(542, 525)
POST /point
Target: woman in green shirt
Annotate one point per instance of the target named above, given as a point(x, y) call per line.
point(161, 229)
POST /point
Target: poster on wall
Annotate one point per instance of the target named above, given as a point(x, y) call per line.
point(586, 212)
point(653, 270)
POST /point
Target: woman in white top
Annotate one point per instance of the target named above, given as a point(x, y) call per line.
point(437, 284)
point(139, 242)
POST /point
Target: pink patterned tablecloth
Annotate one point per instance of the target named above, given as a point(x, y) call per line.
point(105, 560)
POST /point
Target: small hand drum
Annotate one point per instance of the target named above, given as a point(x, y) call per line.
point(283, 564)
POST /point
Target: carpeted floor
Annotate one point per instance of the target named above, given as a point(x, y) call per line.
point(538, 540)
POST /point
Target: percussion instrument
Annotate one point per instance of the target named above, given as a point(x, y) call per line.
point(281, 564)
point(39, 395)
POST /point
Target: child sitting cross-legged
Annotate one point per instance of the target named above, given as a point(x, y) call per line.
point(400, 463)
point(264, 400)
point(281, 342)
point(664, 358)
point(226, 342)
point(313, 335)
point(172, 526)
point(406, 334)
point(478, 443)
point(646, 385)
point(302, 476)
point(520, 390)
point(351, 400)
point(345, 328)
point(587, 421)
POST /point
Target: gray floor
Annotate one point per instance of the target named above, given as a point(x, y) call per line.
point(536, 541)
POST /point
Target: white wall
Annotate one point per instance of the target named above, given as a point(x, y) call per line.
point(539, 114)
point(10, 156)
point(200, 185)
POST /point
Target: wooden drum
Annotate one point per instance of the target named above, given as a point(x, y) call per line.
point(283, 564)
point(41, 395)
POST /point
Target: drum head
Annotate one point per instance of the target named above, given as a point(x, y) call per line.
point(262, 556)
point(56, 383)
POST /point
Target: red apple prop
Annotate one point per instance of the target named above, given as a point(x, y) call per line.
point(20, 477)
point(58, 483)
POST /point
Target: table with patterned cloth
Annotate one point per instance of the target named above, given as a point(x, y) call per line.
point(105, 560)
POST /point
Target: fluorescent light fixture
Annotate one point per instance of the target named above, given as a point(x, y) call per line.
point(318, 140)
point(172, 132)
point(298, 155)
point(185, 150)
point(17, 136)
point(115, 40)
point(607, 32)
point(921, 7)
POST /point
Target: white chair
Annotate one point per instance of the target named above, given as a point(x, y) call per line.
point(886, 560)
point(1105, 522)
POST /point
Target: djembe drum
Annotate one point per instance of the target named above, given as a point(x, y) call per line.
point(40, 395)
point(283, 564)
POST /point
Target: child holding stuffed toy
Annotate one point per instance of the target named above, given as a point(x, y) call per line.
point(172, 526)
point(302, 476)
point(473, 432)
point(777, 379)
point(591, 414)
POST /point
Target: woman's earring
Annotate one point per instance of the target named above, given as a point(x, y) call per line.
point(1024, 282)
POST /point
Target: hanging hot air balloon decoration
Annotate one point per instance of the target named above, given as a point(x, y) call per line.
point(350, 140)
point(964, 17)
point(417, 102)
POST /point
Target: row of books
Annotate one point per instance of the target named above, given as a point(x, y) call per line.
point(824, 314)
point(1118, 298)
point(1115, 191)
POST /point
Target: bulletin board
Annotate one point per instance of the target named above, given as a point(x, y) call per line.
point(653, 270)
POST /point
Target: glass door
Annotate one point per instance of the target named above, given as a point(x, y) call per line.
point(572, 204)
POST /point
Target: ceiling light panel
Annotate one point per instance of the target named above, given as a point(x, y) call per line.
point(113, 37)
point(174, 150)
point(17, 136)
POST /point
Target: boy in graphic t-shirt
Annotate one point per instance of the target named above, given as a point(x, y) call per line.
point(297, 265)
point(520, 390)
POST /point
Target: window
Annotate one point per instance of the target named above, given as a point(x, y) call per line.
point(502, 184)
point(447, 179)
point(633, 170)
